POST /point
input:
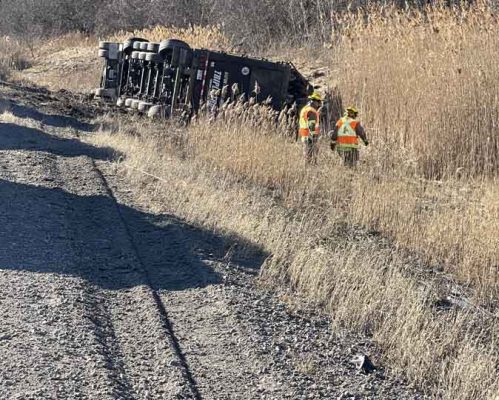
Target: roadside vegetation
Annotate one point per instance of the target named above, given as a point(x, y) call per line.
point(405, 249)
point(11, 57)
point(70, 61)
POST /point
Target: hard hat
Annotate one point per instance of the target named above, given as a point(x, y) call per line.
point(352, 110)
point(315, 96)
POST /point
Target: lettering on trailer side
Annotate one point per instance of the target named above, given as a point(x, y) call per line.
point(216, 84)
point(217, 80)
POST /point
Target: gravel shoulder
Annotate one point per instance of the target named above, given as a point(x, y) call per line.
point(101, 298)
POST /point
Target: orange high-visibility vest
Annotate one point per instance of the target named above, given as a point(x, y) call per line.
point(305, 124)
point(347, 137)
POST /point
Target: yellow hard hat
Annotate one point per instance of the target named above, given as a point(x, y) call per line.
point(315, 96)
point(352, 110)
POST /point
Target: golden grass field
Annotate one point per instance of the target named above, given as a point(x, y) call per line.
point(71, 61)
point(405, 249)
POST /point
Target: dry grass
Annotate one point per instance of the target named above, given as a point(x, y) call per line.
point(382, 248)
point(68, 62)
point(12, 57)
point(434, 102)
point(197, 36)
point(434, 92)
point(453, 224)
point(71, 62)
point(366, 283)
point(404, 249)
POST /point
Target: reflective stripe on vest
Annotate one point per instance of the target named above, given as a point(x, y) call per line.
point(304, 122)
point(347, 137)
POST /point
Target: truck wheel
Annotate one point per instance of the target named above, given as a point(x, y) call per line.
point(103, 53)
point(150, 56)
point(154, 58)
point(170, 44)
point(178, 53)
point(105, 93)
point(128, 44)
point(153, 47)
point(104, 45)
point(154, 111)
point(144, 106)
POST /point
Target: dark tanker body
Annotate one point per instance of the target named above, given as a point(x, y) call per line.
point(169, 78)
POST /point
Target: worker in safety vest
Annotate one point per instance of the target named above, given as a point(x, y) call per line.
point(310, 128)
point(345, 137)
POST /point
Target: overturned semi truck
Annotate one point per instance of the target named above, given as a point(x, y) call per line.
point(171, 78)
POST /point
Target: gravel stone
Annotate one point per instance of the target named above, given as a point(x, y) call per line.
point(101, 298)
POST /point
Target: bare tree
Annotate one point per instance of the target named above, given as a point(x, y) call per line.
point(248, 23)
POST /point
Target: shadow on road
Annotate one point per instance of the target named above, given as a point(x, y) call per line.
point(48, 230)
point(57, 121)
point(16, 137)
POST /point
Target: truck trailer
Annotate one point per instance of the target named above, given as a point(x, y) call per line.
point(171, 78)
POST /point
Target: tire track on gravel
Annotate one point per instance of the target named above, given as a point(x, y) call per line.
point(97, 312)
point(150, 362)
point(92, 369)
point(165, 320)
point(121, 344)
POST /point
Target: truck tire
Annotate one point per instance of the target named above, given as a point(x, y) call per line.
point(105, 93)
point(169, 44)
point(144, 106)
point(178, 53)
point(153, 47)
point(128, 44)
point(154, 111)
point(154, 58)
point(135, 104)
point(104, 45)
point(103, 53)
